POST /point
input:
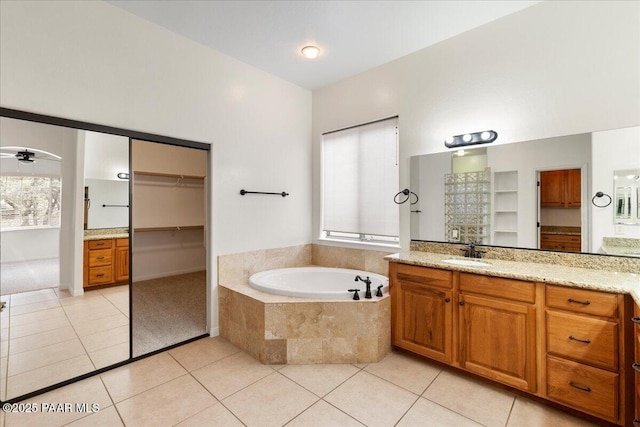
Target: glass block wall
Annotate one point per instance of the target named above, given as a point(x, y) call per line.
point(468, 206)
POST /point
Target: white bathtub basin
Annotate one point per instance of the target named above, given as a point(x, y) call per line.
point(467, 262)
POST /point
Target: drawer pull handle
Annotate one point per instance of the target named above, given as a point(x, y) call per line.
point(579, 387)
point(636, 422)
point(575, 301)
point(100, 275)
point(635, 319)
point(636, 367)
point(100, 257)
point(572, 338)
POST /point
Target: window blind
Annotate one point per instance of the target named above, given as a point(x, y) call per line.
point(360, 179)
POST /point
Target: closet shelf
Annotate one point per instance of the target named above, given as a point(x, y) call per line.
point(172, 228)
point(168, 175)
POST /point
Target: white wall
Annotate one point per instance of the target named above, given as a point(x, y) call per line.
point(91, 61)
point(617, 141)
point(105, 156)
point(556, 68)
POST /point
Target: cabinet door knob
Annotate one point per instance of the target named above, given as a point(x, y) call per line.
point(447, 300)
point(636, 367)
point(461, 303)
point(636, 422)
point(635, 319)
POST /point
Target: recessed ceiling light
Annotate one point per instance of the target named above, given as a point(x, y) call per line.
point(310, 51)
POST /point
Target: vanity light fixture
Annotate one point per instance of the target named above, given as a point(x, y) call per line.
point(311, 52)
point(483, 137)
point(123, 175)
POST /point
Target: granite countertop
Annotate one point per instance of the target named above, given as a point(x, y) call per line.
point(106, 233)
point(621, 250)
point(586, 278)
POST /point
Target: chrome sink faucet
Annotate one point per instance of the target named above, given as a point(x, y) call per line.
point(471, 252)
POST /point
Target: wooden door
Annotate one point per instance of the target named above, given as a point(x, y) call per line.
point(497, 340)
point(122, 264)
point(423, 320)
point(574, 191)
point(552, 188)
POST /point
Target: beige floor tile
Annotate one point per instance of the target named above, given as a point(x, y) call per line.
point(67, 299)
point(405, 371)
point(79, 313)
point(526, 413)
point(36, 379)
point(272, 401)
point(88, 391)
point(142, 375)
point(108, 338)
point(37, 316)
point(114, 290)
point(216, 415)
point(481, 402)
point(38, 327)
point(203, 352)
point(44, 356)
point(319, 379)
point(36, 306)
point(110, 355)
point(98, 325)
point(4, 348)
point(160, 406)
point(121, 302)
point(31, 297)
point(371, 400)
point(321, 414)
point(43, 339)
point(426, 413)
point(107, 417)
point(217, 379)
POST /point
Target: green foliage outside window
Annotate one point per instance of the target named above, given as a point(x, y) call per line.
point(29, 201)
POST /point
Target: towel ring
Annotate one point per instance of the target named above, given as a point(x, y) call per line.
point(407, 193)
point(600, 194)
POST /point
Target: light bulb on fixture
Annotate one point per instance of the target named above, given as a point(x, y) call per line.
point(466, 137)
point(310, 52)
point(485, 135)
point(449, 140)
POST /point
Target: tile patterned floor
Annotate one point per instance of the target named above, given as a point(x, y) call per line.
point(210, 382)
point(48, 336)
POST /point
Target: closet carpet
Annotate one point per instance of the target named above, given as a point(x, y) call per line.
point(168, 310)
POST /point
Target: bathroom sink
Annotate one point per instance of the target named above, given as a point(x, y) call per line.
point(467, 262)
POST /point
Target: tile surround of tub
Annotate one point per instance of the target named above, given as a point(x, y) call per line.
point(302, 331)
point(593, 261)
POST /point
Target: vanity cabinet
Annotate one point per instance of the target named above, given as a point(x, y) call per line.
point(497, 319)
point(106, 261)
point(636, 363)
point(422, 310)
point(585, 352)
point(560, 188)
point(561, 242)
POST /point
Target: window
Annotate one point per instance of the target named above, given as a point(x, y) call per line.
point(359, 181)
point(29, 201)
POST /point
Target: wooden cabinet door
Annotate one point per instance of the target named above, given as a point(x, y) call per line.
point(636, 364)
point(497, 340)
point(423, 320)
point(552, 188)
point(122, 264)
point(574, 191)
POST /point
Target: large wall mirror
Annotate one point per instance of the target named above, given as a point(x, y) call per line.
point(576, 193)
point(81, 271)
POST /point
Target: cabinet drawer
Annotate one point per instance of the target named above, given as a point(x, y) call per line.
point(516, 290)
point(122, 243)
point(424, 276)
point(592, 390)
point(585, 339)
point(100, 244)
point(100, 275)
point(560, 242)
point(100, 257)
point(583, 301)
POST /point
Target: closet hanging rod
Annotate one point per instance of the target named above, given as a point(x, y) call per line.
point(115, 206)
point(243, 192)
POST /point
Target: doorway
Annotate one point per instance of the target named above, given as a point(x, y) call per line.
point(560, 210)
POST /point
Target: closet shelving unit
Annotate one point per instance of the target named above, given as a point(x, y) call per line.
point(467, 205)
point(163, 202)
point(505, 212)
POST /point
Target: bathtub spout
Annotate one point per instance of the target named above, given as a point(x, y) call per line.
point(367, 281)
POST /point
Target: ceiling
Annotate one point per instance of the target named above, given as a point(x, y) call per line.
point(354, 36)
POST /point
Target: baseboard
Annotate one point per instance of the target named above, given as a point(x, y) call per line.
point(214, 332)
point(168, 274)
